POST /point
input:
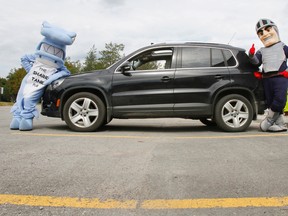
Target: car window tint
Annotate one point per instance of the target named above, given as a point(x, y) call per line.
point(195, 57)
point(217, 58)
point(229, 58)
point(152, 60)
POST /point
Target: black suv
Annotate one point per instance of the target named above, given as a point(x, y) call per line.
point(210, 82)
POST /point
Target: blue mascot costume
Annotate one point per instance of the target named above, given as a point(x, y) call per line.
point(273, 58)
point(43, 67)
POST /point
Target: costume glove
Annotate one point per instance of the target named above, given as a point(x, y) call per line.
point(252, 50)
point(284, 73)
point(258, 75)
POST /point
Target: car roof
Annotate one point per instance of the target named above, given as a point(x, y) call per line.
point(216, 45)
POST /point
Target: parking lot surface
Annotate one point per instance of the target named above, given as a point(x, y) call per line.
point(142, 167)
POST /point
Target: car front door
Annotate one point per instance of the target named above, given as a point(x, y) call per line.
point(143, 85)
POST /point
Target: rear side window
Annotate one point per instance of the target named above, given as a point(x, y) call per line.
point(229, 58)
point(195, 57)
point(217, 59)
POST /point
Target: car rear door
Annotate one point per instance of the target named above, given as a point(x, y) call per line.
point(201, 72)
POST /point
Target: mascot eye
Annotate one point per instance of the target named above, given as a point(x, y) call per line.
point(260, 33)
point(268, 28)
point(52, 50)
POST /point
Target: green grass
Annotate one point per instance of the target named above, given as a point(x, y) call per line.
point(6, 103)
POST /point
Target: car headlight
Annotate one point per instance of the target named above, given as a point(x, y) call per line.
point(56, 83)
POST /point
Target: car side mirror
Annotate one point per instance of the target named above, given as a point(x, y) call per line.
point(125, 68)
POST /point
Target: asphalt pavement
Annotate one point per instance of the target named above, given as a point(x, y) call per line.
point(142, 167)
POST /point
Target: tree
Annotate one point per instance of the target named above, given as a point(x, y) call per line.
point(14, 80)
point(91, 60)
point(3, 97)
point(111, 54)
point(73, 67)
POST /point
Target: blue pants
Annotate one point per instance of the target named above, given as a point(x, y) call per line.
point(275, 89)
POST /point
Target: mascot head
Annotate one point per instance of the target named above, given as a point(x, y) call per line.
point(267, 32)
point(53, 46)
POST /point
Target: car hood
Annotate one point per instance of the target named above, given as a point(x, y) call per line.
point(92, 78)
point(89, 74)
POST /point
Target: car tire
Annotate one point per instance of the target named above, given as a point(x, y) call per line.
point(84, 112)
point(233, 113)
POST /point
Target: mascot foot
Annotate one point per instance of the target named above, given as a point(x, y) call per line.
point(269, 120)
point(26, 125)
point(14, 125)
point(276, 128)
point(279, 125)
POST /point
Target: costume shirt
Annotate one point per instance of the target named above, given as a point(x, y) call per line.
point(37, 75)
point(273, 57)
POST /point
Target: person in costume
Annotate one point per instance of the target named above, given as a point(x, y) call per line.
point(273, 58)
point(43, 67)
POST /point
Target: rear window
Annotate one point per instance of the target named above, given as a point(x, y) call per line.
point(195, 57)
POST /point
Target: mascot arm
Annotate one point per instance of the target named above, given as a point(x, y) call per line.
point(286, 50)
point(256, 59)
point(64, 72)
point(27, 62)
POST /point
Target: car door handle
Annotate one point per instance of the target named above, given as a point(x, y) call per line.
point(166, 79)
point(218, 76)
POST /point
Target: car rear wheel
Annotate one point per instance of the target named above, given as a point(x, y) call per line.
point(233, 113)
point(84, 112)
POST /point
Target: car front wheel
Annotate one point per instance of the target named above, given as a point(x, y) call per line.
point(233, 113)
point(84, 112)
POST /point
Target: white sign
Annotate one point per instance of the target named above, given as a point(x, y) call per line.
point(2, 90)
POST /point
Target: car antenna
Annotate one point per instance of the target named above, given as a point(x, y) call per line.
point(232, 38)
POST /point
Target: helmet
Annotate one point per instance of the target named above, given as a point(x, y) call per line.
point(265, 22)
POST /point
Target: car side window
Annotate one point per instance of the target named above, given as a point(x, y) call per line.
point(229, 58)
point(217, 59)
point(157, 59)
point(194, 57)
point(197, 57)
